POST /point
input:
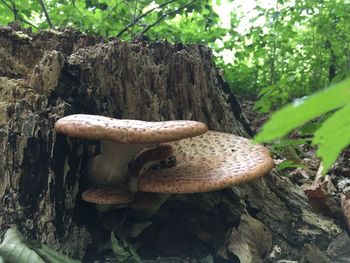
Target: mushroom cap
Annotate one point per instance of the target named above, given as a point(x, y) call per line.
point(97, 127)
point(209, 162)
point(149, 155)
point(107, 196)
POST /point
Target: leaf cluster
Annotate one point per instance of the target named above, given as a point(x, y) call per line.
point(290, 50)
point(14, 248)
point(174, 20)
point(334, 133)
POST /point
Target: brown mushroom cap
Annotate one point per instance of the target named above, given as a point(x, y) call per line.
point(107, 196)
point(96, 127)
point(209, 162)
point(144, 160)
point(149, 155)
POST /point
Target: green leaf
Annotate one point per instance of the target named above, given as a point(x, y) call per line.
point(309, 128)
point(123, 251)
point(281, 143)
point(15, 249)
point(289, 164)
point(333, 136)
point(207, 259)
point(52, 256)
point(296, 114)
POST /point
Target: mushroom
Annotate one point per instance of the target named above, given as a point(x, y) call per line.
point(145, 160)
point(115, 196)
point(208, 162)
point(107, 196)
point(121, 140)
point(204, 163)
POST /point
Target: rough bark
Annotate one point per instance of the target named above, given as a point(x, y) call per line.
point(48, 75)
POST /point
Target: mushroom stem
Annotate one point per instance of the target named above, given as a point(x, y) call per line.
point(152, 208)
point(111, 166)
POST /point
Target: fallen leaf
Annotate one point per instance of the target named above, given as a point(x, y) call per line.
point(251, 241)
point(321, 200)
point(345, 208)
point(339, 248)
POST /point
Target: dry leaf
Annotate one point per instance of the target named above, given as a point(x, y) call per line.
point(345, 208)
point(321, 200)
point(251, 241)
point(339, 249)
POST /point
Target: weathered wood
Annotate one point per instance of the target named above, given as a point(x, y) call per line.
point(48, 75)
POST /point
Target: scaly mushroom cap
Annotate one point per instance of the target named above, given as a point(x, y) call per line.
point(107, 196)
point(209, 162)
point(96, 127)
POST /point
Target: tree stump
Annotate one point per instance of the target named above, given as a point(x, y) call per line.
point(48, 75)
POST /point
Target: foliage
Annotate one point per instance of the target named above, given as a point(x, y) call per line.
point(14, 248)
point(123, 251)
point(126, 19)
point(289, 50)
point(299, 48)
point(334, 133)
point(289, 164)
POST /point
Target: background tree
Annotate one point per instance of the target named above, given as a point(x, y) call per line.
point(298, 49)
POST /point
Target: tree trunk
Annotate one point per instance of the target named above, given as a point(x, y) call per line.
point(48, 75)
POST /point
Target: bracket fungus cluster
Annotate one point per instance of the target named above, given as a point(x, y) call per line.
point(131, 163)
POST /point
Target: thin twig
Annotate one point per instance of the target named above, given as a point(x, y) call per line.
point(112, 10)
point(14, 8)
point(133, 18)
point(142, 16)
point(43, 8)
point(16, 14)
point(319, 175)
point(165, 15)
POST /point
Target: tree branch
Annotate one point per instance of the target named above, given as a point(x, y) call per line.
point(48, 19)
point(142, 16)
point(165, 15)
point(16, 14)
point(112, 10)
